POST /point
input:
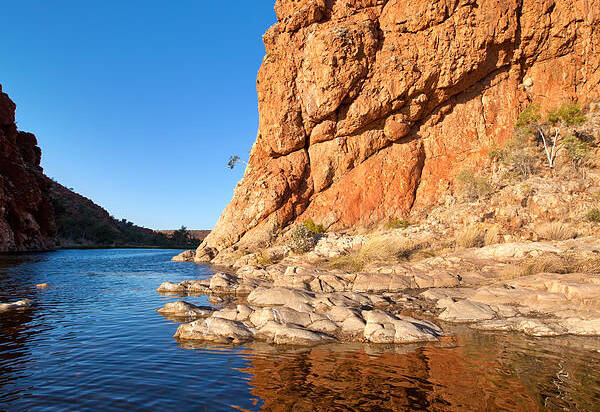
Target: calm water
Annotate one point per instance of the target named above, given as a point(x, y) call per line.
point(92, 341)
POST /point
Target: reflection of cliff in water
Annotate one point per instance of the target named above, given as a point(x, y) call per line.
point(15, 333)
point(17, 282)
point(484, 372)
point(15, 326)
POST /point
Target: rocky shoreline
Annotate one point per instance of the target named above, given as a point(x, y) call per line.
point(296, 302)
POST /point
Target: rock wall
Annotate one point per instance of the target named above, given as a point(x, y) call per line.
point(26, 214)
point(369, 108)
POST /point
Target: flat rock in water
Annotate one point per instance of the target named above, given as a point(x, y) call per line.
point(279, 296)
point(216, 330)
point(187, 256)
point(287, 334)
point(170, 287)
point(465, 311)
point(20, 304)
point(382, 327)
point(185, 309)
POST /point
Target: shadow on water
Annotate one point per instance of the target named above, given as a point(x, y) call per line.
point(93, 341)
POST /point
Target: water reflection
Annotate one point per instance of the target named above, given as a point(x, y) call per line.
point(481, 372)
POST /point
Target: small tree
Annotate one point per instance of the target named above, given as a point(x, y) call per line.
point(529, 122)
point(234, 160)
point(181, 236)
point(549, 132)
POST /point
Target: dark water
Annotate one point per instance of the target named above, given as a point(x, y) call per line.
point(92, 341)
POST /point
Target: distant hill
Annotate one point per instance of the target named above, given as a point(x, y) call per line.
point(82, 223)
point(37, 213)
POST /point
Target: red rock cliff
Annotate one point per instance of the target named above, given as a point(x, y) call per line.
point(26, 214)
point(369, 108)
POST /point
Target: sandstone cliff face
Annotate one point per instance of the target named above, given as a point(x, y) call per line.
point(26, 214)
point(369, 108)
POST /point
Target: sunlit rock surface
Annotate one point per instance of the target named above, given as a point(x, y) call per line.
point(369, 109)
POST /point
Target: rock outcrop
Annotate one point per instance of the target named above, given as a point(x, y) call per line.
point(546, 288)
point(369, 108)
point(18, 305)
point(26, 213)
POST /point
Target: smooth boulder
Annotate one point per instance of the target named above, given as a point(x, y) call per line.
point(20, 304)
point(216, 330)
point(185, 309)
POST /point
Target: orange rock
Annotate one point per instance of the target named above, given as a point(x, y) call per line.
point(369, 108)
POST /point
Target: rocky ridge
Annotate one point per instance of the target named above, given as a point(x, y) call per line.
point(369, 108)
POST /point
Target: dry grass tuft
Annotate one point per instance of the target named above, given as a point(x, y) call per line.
point(509, 272)
point(379, 249)
point(470, 236)
point(263, 259)
point(492, 236)
point(349, 263)
point(570, 262)
point(556, 231)
point(388, 248)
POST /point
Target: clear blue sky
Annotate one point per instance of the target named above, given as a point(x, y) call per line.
point(138, 104)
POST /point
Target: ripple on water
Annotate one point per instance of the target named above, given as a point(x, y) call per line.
point(92, 341)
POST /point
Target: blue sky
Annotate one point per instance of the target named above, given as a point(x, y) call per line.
point(138, 104)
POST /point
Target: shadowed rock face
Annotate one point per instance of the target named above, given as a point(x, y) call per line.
point(26, 213)
point(369, 108)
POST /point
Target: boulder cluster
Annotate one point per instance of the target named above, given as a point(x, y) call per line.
point(413, 301)
point(258, 309)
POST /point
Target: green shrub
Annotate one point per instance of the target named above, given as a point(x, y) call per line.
point(497, 153)
point(316, 229)
point(473, 186)
point(578, 150)
point(593, 215)
point(515, 155)
point(397, 223)
point(302, 240)
point(569, 114)
point(529, 117)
